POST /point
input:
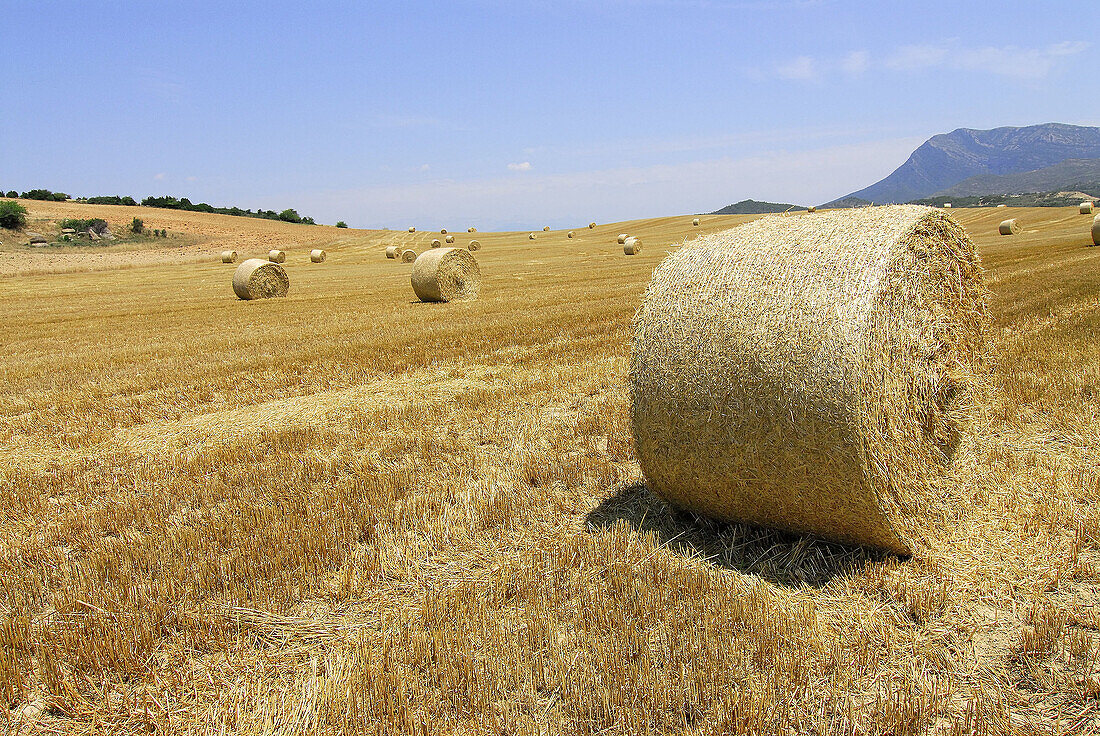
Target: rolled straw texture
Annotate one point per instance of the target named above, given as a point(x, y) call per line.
point(446, 275)
point(632, 247)
point(1009, 227)
point(450, 238)
point(436, 243)
point(260, 279)
point(474, 245)
point(317, 255)
point(229, 256)
point(408, 256)
point(811, 375)
point(1096, 230)
point(622, 238)
point(1086, 208)
point(393, 251)
point(276, 256)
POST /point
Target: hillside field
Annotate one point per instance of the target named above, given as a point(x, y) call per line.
point(347, 511)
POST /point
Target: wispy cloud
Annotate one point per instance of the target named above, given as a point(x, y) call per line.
point(160, 177)
point(524, 166)
point(855, 63)
point(1008, 61)
point(800, 68)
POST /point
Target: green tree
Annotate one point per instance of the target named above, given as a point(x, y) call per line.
point(341, 224)
point(290, 216)
point(12, 215)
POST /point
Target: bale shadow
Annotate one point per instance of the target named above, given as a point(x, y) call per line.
point(781, 558)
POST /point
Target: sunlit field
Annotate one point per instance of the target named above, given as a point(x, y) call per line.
point(348, 511)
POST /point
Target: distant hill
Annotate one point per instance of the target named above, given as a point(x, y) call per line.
point(945, 160)
point(1072, 174)
point(752, 207)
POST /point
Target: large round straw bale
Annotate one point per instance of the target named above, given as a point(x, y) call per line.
point(546, 229)
point(393, 251)
point(450, 238)
point(317, 255)
point(446, 275)
point(622, 238)
point(531, 236)
point(811, 374)
point(229, 256)
point(437, 243)
point(591, 225)
point(695, 222)
point(569, 234)
point(408, 256)
point(471, 229)
point(412, 229)
point(1086, 208)
point(276, 256)
point(1009, 227)
point(1096, 230)
point(256, 278)
point(474, 245)
point(632, 246)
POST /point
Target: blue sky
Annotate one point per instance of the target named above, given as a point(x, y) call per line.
point(516, 114)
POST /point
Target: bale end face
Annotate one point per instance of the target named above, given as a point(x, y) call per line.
point(828, 408)
point(276, 256)
point(446, 275)
point(260, 279)
point(317, 255)
point(811, 209)
point(569, 234)
point(591, 225)
point(474, 245)
point(531, 236)
point(695, 222)
point(632, 247)
point(412, 229)
point(546, 229)
point(442, 231)
point(408, 256)
point(393, 251)
point(437, 243)
point(450, 238)
point(1009, 227)
point(471, 229)
point(229, 256)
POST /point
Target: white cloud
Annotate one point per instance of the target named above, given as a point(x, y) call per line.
point(425, 167)
point(1007, 61)
point(160, 177)
point(525, 166)
point(801, 68)
point(856, 62)
point(917, 56)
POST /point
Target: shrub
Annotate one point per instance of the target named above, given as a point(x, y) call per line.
point(12, 215)
point(97, 224)
point(13, 194)
point(290, 216)
point(129, 201)
point(341, 224)
point(39, 194)
point(137, 226)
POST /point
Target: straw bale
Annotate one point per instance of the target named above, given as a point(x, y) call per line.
point(276, 256)
point(317, 255)
point(393, 251)
point(622, 238)
point(442, 231)
point(412, 229)
point(947, 205)
point(531, 236)
point(811, 374)
point(569, 234)
point(811, 208)
point(450, 238)
point(1096, 230)
point(446, 275)
point(1086, 208)
point(437, 243)
point(1002, 205)
point(695, 222)
point(256, 278)
point(229, 256)
point(471, 229)
point(1009, 227)
point(591, 225)
point(546, 229)
point(474, 245)
point(632, 246)
point(408, 256)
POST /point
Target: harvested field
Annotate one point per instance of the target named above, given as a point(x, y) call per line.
point(347, 511)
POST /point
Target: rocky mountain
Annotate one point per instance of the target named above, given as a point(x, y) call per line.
point(945, 160)
point(1074, 174)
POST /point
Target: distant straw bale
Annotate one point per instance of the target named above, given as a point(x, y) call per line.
point(632, 247)
point(450, 238)
point(1086, 208)
point(1009, 227)
point(474, 245)
point(442, 231)
point(1002, 205)
point(446, 275)
point(317, 255)
point(412, 229)
point(260, 279)
point(437, 243)
point(546, 229)
point(531, 236)
point(695, 222)
point(947, 205)
point(408, 256)
point(569, 234)
point(393, 251)
point(276, 256)
point(622, 238)
point(591, 225)
point(811, 208)
point(229, 256)
point(471, 229)
point(811, 374)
